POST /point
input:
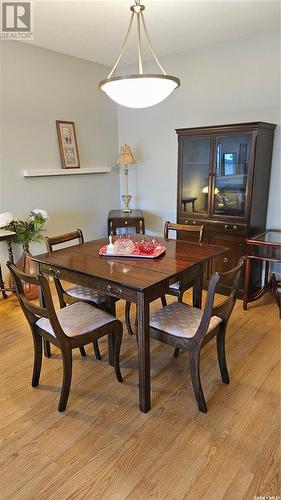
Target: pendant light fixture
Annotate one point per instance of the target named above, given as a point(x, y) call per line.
point(139, 90)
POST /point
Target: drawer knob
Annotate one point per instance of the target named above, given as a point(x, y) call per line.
point(225, 259)
point(194, 222)
point(235, 228)
point(225, 226)
point(126, 222)
point(114, 291)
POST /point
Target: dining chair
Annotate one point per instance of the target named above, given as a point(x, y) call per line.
point(74, 326)
point(76, 292)
point(186, 327)
point(175, 289)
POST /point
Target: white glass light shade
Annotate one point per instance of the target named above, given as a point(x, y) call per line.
point(139, 91)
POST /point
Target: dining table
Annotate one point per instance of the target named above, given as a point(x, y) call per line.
point(137, 280)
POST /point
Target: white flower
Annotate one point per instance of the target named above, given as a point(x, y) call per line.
point(6, 218)
point(39, 211)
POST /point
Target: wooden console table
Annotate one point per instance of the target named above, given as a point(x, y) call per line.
point(6, 236)
point(117, 218)
point(264, 246)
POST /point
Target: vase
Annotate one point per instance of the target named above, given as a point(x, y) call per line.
point(28, 266)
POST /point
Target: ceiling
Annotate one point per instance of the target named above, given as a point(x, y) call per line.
point(95, 30)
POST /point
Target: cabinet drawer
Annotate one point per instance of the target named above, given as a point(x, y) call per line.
point(125, 223)
point(214, 225)
point(236, 249)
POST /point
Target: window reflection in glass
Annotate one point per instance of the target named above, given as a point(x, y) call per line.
point(195, 180)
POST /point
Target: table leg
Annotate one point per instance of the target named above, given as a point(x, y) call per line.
point(266, 271)
point(143, 353)
point(247, 282)
point(2, 285)
point(274, 289)
point(197, 288)
point(111, 309)
point(10, 252)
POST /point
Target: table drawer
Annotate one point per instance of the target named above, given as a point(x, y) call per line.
point(125, 223)
point(103, 286)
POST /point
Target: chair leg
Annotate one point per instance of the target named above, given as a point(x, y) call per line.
point(37, 343)
point(96, 349)
point(222, 357)
point(47, 348)
point(82, 351)
point(176, 352)
point(127, 318)
point(67, 374)
point(194, 357)
point(117, 346)
point(163, 300)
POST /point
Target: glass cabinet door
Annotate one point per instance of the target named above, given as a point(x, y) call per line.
point(231, 170)
point(195, 174)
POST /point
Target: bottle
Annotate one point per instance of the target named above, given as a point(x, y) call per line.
point(110, 248)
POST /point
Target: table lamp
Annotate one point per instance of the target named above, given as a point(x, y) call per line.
point(126, 158)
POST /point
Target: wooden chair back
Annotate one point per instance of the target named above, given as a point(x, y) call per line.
point(224, 309)
point(32, 311)
point(190, 228)
point(64, 238)
point(54, 241)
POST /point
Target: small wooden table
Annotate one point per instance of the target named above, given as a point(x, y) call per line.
point(136, 280)
point(117, 218)
point(264, 246)
point(188, 199)
point(6, 236)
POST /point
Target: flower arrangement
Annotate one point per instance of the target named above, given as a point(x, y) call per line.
point(25, 230)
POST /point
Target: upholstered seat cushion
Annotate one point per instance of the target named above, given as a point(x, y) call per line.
point(84, 293)
point(180, 320)
point(78, 319)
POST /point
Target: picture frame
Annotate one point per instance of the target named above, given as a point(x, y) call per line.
point(68, 144)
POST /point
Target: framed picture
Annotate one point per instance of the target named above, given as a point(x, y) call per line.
point(68, 144)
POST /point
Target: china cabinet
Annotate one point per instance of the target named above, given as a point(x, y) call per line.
point(223, 183)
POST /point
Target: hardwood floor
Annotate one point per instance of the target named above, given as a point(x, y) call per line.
point(102, 447)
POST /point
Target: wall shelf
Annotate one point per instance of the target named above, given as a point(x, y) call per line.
point(65, 171)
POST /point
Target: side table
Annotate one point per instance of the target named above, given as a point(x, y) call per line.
point(264, 246)
point(117, 219)
point(6, 236)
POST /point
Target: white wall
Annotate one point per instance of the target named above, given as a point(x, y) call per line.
point(226, 83)
point(38, 87)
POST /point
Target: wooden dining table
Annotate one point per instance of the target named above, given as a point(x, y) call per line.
point(137, 280)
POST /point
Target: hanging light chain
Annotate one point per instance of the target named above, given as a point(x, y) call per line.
point(123, 48)
point(150, 46)
point(138, 10)
point(139, 45)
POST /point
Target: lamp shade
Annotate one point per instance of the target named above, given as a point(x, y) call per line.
point(125, 156)
point(139, 91)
